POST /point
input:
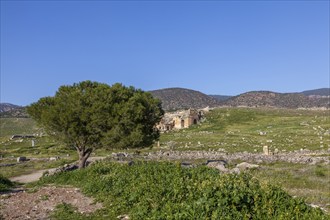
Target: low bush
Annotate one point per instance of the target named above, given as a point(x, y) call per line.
point(161, 190)
point(66, 211)
point(5, 184)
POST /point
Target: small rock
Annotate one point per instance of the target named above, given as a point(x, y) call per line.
point(54, 158)
point(266, 150)
point(235, 170)
point(186, 165)
point(123, 217)
point(21, 159)
point(246, 166)
point(218, 164)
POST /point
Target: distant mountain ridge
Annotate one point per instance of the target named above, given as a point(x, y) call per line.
point(221, 97)
point(180, 98)
point(8, 110)
point(277, 100)
point(4, 107)
point(317, 92)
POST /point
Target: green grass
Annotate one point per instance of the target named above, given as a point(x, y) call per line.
point(158, 190)
point(12, 126)
point(44, 148)
point(66, 211)
point(238, 129)
point(30, 166)
point(311, 182)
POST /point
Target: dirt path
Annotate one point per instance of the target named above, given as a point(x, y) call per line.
point(28, 178)
point(36, 175)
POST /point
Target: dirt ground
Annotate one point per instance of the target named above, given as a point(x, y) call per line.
point(39, 204)
point(30, 177)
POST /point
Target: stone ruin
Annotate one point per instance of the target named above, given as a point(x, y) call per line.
point(180, 119)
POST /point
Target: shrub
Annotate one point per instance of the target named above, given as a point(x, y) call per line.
point(5, 184)
point(161, 190)
point(66, 211)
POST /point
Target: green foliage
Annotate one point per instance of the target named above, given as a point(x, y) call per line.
point(5, 184)
point(91, 115)
point(153, 190)
point(321, 172)
point(95, 114)
point(66, 211)
point(305, 181)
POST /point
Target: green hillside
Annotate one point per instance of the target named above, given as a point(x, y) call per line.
point(12, 126)
point(244, 129)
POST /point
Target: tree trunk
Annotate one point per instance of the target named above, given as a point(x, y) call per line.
point(83, 156)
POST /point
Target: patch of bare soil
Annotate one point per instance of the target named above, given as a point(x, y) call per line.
point(30, 177)
point(39, 204)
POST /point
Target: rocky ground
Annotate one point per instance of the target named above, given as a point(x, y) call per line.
point(302, 156)
point(38, 205)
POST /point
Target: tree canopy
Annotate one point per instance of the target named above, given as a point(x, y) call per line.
point(90, 115)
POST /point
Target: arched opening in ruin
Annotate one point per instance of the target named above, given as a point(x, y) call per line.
point(195, 121)
point(182, 123)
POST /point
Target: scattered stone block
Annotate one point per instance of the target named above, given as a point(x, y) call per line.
point(54, 158)
point(266, 150)
point(66, 167)
point(246, 166)
point(187, 165)
point(21, 159)
point(123, 217)
point(235, 170)
point(218, 164)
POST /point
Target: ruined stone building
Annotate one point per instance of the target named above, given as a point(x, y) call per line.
point(179, 120)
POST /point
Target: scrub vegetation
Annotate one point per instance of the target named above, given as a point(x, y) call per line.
point(162, 190)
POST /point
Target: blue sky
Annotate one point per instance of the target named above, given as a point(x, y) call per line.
point(216, 47)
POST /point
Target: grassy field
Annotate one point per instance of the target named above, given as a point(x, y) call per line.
point(12, 126)
point(241, 129)
point(311, 182)
point(38, 154)
point(232, 130)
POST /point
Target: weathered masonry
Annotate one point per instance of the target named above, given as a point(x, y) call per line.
point(180, 119)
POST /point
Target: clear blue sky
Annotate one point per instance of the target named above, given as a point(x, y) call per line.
point(216, 47)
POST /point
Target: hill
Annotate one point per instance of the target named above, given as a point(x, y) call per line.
point(5, 107)
point(221, 97)
point(8, 110)
point(317, 92)
point(179, 98)
point(277, 100)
